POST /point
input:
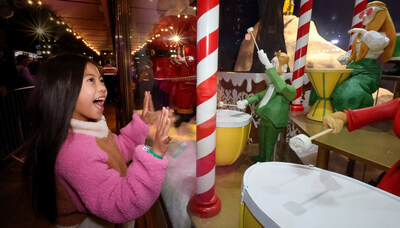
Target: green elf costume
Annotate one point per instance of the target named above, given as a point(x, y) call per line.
point(272, 108)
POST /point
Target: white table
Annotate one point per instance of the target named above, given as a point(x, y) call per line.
point(289, 195)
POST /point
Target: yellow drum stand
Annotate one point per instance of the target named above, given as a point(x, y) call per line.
point(324, 82)
point(233, 129)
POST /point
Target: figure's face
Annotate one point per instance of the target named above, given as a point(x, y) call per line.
point(90, 104)
point(368, 14)
point(280, 68)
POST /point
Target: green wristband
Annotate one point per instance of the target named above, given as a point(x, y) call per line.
point(150, 151)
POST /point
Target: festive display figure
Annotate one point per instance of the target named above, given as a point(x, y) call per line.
point(376, 38)
point(173, 55)
point(358, 118)
point(272, 107)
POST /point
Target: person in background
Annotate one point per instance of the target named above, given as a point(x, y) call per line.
point(9, 73)
point(33, 68)
point(80, 175)
point(23, 70)
point(109, 73)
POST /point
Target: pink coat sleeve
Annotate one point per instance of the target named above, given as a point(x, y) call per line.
point(81, 167)
point(133, 134)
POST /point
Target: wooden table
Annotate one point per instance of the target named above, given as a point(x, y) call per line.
point(396, 78)
point(375, 145)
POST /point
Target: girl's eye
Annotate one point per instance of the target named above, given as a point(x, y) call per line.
point(101, 79)
point(91, 79)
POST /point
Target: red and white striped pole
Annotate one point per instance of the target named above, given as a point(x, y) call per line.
point(359, 6)
point(205, 203)
point(301, 51)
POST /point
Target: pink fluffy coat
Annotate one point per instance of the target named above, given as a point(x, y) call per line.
point(95, 188)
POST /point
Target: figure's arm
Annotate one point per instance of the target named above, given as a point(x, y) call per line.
point(361, 117)
point(288, 91)
point(241, 104)
point(343, 58)
point(374, 40)
point(358, 118)
point(335, 121)
point(257, 97)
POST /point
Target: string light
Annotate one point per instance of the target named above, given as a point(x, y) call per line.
point(41, 32)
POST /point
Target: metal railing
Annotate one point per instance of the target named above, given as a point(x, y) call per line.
point(15, 121)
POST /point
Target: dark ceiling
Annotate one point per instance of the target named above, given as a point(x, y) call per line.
point(18, 31)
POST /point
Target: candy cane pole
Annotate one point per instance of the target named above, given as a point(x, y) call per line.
point(359, 5)
point(205, 203)
point(301, 51)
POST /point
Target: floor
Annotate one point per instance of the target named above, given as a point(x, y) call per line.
point(15, 209)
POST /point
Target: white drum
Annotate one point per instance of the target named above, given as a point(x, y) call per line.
point(277, 194)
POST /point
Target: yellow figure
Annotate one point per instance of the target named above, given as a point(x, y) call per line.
point(288, 7)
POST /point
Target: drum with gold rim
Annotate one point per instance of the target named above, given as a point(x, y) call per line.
point(233, 129)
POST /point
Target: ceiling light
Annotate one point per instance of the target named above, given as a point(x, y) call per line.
point(176, 38)
point(39, 31)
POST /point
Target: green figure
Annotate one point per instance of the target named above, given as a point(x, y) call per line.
point(272, 108)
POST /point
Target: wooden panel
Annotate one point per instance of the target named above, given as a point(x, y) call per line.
point(156, 217)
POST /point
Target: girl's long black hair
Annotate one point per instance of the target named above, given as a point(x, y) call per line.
point(57, 87)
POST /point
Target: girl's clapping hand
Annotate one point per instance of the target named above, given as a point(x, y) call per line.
point(148, 114)
point(162, 138)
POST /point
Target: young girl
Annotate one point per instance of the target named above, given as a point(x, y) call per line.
point(80, 176)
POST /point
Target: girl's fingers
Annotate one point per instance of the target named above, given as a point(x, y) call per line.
point(145, 102)
point(151, 105)
point(163, 121)
point(167, 139)
point(167, 124)
point(158, 124)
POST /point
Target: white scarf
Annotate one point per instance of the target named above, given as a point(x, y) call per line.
point(97, 129)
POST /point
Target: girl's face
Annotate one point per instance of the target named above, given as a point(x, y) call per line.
point(90, 104)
